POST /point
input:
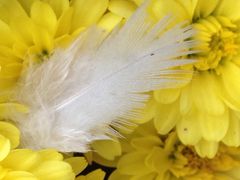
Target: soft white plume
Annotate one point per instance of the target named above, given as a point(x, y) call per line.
point(98, 81)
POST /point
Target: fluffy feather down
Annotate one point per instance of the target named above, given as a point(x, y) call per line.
point(76, 94)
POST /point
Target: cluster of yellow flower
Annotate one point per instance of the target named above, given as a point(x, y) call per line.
point(188, 132)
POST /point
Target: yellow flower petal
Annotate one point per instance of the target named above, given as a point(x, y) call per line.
point(6, 37)
point(232, 137)
point(108, 149)
point(10, 132)
point(205, 95)
point(11, 11)
point(158, 160)
point(43, 41)
point(50, 154)
point(138, 2)
point(11, 70)
point(147, 113)
point(59, 6)
point(64, 23)
point(206, 148)
point(104, 162)
point(118, 176)
point(78, 164)
point(204, 9)
point(166, 117)
point(213, 128)
point(229, 8)
point(133, 164)
point(4, 147)
point(188, 129)
point(166, 96)
point(52, 170)
point(186, 100)
point(87, 12)
point(26, 4)
point(161, 8)
point(21, 159)
point(231, 85)
point(146, 143)
point(19, 175)
point(96, 174)
point(43, 15)
point(109, 21)
point(122, 8)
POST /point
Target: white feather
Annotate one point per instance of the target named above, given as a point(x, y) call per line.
point(98, 81)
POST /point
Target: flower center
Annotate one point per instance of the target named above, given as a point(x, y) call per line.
point(218, 41)
point(194, 161)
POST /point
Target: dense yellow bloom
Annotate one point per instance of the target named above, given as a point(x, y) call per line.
point(30, 30)
point(206, 110)
point(150, 156)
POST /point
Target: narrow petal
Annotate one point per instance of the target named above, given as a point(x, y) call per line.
point(52, 170)
point(230, 82)
point(232, 137)
point(188, 129)
point(43, 15)
point(158, 160)
point(206, 96)
point(11, 132)
point(116, 175)
point(78, 164)
point(229, 8)
point(206, 148)
point(21, 159)
point(133, 164)
point(108, 149)
point(186, 100)
point(122, 8)
point(146, 143)
point(204, 9)
point(19, 175)
point(87, 12)
point(109, 21)
point(64, 23)
point(4, 147)
point(59, 6)
point(50, 154)
point(162, 8)
point(6, 37)
point(96, 174)
point(166, 96)
point(166, 117)
point(213, 128)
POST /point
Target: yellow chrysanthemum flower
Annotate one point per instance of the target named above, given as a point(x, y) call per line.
point(30, 30)
point(150, 156)
point(206, 110)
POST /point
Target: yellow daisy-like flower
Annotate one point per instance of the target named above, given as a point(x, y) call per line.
point(30, 30)
point(150, 156)
point(206, 110)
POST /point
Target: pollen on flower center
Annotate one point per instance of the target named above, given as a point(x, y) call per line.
point(194, 161)
point(217, 38)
